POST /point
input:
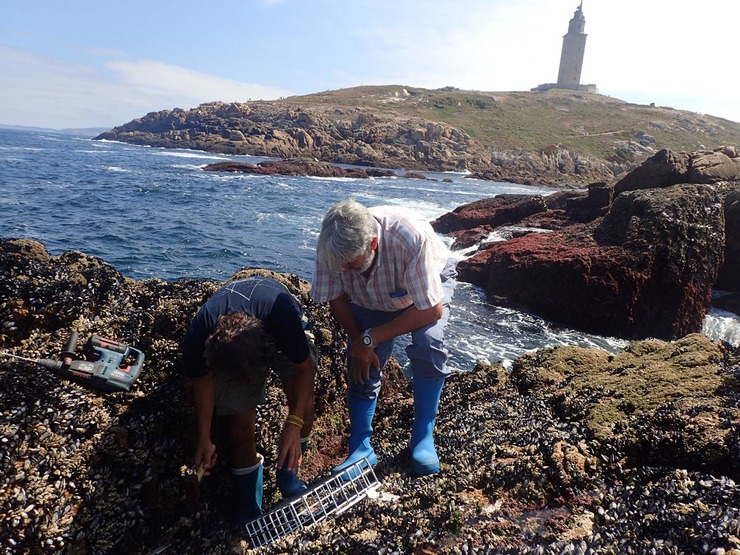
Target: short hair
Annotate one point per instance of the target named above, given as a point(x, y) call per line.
point(239, 347)
point(346, 233)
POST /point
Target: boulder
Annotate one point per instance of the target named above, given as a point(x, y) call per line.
point(645, 270)
point(719, 168)
point(636, 259)
point(729, 277)
point(512, 216)
point(466, 238)
point(566, 277)
point(712, 167)
point(667, 168)
point(660, 170)
point(596, 203)
point(499, 210)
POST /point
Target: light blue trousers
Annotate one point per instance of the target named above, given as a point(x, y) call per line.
point(427, 352)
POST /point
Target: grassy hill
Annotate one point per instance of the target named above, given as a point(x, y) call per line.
point(553, 137)
point(589, 123)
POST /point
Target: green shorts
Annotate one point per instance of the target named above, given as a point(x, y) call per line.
point(236, 395)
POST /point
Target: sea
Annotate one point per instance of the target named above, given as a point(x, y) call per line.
point(154, 212)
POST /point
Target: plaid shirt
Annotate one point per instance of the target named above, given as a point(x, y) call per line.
point(410, 258)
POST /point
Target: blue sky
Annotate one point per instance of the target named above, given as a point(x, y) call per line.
point(89, 63)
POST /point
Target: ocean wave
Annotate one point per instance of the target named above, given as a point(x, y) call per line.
point(722, 325)
point(189, 154)
point(335, 179)
point(21, 149)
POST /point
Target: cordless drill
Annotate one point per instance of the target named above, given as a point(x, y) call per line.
point(109, 366)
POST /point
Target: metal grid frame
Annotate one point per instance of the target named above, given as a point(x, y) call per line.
point(331, 496)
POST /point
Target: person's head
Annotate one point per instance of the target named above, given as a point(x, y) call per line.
point(348, 237)
point(239, 347)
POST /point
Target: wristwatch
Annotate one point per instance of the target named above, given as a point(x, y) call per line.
point(367, 339)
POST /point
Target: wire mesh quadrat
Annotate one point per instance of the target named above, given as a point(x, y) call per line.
point(330, 496)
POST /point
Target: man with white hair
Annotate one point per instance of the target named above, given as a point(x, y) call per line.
point(385, 272)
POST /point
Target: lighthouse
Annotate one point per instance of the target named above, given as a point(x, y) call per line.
point(571, 57)
point(574, 47)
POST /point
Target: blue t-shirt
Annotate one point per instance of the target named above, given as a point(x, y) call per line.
point(261, 297)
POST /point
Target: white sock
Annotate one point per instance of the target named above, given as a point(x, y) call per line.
point(249, 469)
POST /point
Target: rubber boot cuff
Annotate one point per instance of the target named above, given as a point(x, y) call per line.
point(248, 491)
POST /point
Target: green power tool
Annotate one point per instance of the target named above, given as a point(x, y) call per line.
point(110, 365)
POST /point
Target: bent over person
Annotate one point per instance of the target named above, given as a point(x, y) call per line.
point(247, 327)
point(385, 272)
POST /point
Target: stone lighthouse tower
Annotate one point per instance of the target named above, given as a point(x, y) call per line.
point(571, 57)
point(574, 47)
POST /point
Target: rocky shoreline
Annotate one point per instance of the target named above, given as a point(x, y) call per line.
point(572, 451)
point(633, 259)
point(312, 168)
point(367, 137)
point(558, 138)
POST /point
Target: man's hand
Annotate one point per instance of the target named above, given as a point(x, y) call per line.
point(362, 358)
point(204, 393)
point(205, 454)
point(290, 454)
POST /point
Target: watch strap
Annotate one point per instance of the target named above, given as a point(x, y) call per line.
point(367, 339)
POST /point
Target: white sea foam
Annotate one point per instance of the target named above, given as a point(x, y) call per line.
point(462, 254)
point(189, 166)
point(81, 151)
point(722, 325)
point(327, 178)
point(189, 154)
point(265, 217)
point(21, 149)
point(504, 233)
point(221, 176)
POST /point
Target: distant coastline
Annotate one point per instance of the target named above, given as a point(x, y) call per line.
point(552, 138)
point(84, 132)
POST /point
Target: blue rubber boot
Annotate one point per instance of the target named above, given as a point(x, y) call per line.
point(361, 413)
point(424, 459)
point(288, 482)
point(248, 492)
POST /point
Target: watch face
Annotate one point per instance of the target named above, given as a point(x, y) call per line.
point(367, 340)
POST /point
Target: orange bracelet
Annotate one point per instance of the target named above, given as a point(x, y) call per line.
point(295, 420)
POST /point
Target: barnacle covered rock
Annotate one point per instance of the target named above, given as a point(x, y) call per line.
point(573, 451)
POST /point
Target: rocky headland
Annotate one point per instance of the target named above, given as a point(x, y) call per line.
point(552, 138)
point(572, 450)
